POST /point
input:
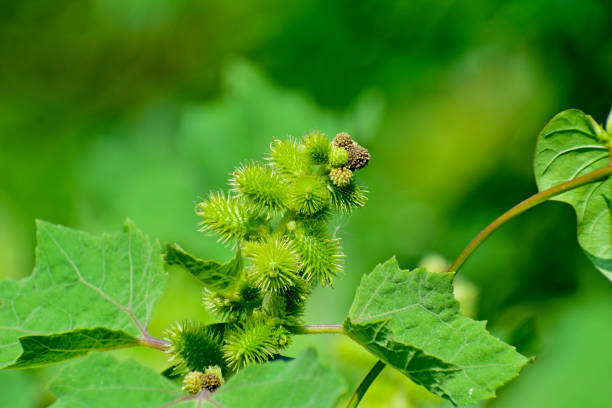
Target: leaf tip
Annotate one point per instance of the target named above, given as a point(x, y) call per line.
point(391, 262)
point(40, 224)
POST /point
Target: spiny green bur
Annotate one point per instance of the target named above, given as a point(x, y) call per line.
point(276, 216)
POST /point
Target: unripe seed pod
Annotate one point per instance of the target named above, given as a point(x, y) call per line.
point(274, 264)
point(316, 145)
point(308, 195)
point(346, 199)
point(261, 185)
point(221, 305)
point(338, 156)
point(250, 342)
point(343, 139)
point(288, 157)
point(194, 346)
point(341, 177)
point(192, 383)
point(358, 157)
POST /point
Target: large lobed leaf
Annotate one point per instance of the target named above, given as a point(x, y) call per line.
point(300, 383)
point(569, 147)
point(100, 379)
point(80, 283)
point(411, 321)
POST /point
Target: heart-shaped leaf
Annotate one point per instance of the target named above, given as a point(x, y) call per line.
point(569, 146)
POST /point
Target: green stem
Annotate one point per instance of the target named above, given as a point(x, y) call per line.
point(524, 206)
point(365, 384)
point(320, 329)
point(154, 342)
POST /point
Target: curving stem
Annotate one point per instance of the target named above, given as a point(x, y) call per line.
point(524, 206)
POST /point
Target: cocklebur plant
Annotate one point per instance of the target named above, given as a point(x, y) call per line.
point(276, 216)
point(97, 293)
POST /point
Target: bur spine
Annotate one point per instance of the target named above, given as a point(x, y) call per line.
point(194, 346)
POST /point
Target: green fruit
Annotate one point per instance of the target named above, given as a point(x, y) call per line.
point(338, 156)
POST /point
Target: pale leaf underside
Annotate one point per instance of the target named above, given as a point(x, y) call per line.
point(212, 274)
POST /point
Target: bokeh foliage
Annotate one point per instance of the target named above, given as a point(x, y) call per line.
point(113, 109)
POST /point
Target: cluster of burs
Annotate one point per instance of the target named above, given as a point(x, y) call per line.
point(277, 217)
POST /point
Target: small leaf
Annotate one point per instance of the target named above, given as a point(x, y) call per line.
point(45, 350)
point(569, 146)
point(220, 278)
point(80, 281)
point(411, 321)
point(300, 383)
point(101, 381)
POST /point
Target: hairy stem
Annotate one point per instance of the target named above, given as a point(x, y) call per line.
point(524, 206)
point(365, 384)
point(154, 342)
point(320, 329)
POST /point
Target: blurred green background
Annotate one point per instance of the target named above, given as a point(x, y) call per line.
point(112, 109)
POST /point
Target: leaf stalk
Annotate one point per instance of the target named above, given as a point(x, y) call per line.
point(320, 329)
point(524, 206)
point(365, 384)
point(154, 342)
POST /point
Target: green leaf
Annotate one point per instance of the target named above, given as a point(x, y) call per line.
point(101, 381)
point(569, 146)
point(54, 348)
point(215, 276)
point(300, 383)
point(411, 321)
point(94, 381)
point(80, 281)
